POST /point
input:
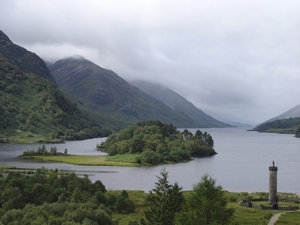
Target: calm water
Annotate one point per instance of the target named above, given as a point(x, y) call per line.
point(242, 163)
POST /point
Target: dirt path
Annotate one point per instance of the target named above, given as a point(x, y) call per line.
point(275, 217)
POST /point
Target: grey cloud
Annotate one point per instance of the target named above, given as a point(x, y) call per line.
point(239, 58)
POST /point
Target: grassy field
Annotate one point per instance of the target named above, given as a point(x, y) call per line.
point(291, 218)
point(7, 167)
point(243, 215)
point(128, 160)
point(86, 160)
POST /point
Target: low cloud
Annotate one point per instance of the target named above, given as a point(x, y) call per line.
point(234, 57)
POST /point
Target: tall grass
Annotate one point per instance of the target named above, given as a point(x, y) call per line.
point(83, 160)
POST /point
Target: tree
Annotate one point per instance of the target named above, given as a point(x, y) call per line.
point(207, 204)
point(124, 204)
point(165, 201)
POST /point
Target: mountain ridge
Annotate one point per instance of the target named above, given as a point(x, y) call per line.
point(291, 113)
point(177, 102)
point(103, 90)
point(27, 61)
point(286, 123)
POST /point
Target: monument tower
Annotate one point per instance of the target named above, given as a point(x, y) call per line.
point(273, 184)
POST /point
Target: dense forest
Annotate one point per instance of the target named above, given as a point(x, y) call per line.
point(49, 197)
point(155, 142)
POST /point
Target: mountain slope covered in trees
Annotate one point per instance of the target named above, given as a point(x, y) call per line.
point(177, 102)
point(286, 123)
point(291, 113)
point(32, 107)
point(281, 126)
point(102, 90)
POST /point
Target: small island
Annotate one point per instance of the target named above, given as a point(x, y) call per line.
point(154, 142)
point(144, 144)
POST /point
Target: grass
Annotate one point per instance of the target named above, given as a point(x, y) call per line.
point(291, 218)
point(138, 198)
point(127, 160)
point(7, 167)
point(243, 215)
point(130, 158)
point(84, 160)
point(249, 216)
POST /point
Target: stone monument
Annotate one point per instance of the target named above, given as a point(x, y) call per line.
point(273, 184)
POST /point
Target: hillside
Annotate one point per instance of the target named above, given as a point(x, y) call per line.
point(292, 113)
point(26, 61)
point(177, 102)
point(102, 90)
point(281, 126)
point(286, 123)
point(32, 107)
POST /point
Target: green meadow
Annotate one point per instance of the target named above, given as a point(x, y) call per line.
point(85, 160)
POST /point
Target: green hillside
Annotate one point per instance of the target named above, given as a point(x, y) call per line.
point(32, 108)
point(281, 126)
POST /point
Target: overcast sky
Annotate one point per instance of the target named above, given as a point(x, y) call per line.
point(238, 58)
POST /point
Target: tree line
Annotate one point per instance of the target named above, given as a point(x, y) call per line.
point(50, 197)
point(157, 142)
point(56, 198)
point(43, 151)
point(205, 204)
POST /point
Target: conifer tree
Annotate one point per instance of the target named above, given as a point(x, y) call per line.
point(206, 205)
point(165, 201)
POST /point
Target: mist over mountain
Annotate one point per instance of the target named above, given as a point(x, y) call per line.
point(32, 107)
point(177, 102)
point(25, 60)
point(287, 123)
point(292, 113)
point(104, 91)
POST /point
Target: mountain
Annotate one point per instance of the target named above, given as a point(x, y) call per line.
point(32, 108)
point(286, 123)
point(292, 113)
point(104, 91)
point(280, 126)
point(177, 102)
point(26, 61)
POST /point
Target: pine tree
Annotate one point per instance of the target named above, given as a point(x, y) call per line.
point(206, 205)
point(165, 201)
